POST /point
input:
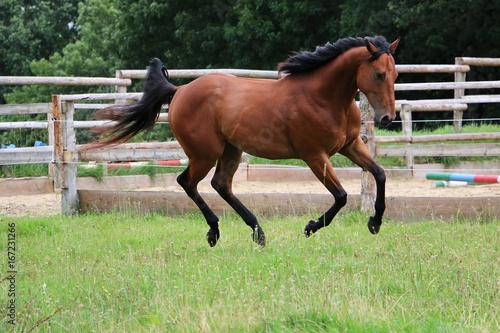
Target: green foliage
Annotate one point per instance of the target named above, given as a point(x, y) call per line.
point(90, 55)
point(34, 29)
point(452, 34)
point(222, 33)
point(259, 34)
point(152, 273)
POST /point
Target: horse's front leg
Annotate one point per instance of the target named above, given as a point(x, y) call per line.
point(322, 168)
point(359, 154)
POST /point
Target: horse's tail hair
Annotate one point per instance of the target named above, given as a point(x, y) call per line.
point(130, 119)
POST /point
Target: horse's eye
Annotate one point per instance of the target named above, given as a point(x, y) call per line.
point(379, 75)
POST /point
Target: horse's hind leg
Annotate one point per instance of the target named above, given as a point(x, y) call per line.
point(189, 180)
point(222, 183)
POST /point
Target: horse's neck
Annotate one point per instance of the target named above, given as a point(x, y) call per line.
point(339, 76)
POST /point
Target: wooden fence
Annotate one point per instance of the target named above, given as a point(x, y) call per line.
point(418, 145)
point(65, 154)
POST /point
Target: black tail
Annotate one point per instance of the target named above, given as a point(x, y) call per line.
point(141, 115)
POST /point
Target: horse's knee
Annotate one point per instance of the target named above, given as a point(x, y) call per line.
point(341, 199)
point(216, 185)
point(182, 179)
point(222, 189)
point(184, 183)
point(379, 175)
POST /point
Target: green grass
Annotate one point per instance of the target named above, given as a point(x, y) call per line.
point(41, 170)
point(24, 170)
point(149, 169)
point(338, 161)
point(151, 273)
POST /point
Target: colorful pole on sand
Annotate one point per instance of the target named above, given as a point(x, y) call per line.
point(130, 165)
point(450, 183)
point(463, 177)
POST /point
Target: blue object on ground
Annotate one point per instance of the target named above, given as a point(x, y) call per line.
point(40, 144)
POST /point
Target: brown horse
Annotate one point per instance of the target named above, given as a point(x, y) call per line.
point(310, 114)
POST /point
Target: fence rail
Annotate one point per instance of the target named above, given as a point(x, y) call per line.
point(63, 81)
point(15, 109)
point(194, 73)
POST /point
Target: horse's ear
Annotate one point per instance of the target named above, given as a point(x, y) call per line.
point(371, 48)
point(165, 73)
point(394, 45)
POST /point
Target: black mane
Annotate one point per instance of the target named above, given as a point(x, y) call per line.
point(306, 61)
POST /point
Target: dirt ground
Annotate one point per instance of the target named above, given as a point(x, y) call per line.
point(50, 204)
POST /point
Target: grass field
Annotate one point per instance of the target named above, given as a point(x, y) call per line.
point(150, 273)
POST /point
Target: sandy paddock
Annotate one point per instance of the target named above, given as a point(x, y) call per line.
point(50, 204)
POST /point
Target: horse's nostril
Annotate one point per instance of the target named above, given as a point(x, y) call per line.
point(385, 120)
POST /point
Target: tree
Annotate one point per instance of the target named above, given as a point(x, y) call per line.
point(444, 29)
point(90, 55)
point(223, 33)
point(146, 30)
point(263, 33)
point(368, 18)
point(33, 29)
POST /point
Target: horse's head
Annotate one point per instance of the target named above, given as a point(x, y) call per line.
point(376, 77)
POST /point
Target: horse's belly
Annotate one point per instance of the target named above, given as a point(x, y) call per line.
point(263, 142)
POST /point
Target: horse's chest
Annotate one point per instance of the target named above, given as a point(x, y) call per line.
point(337, 138)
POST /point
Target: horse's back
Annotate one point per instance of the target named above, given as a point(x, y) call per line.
point(217, 86)
point(222, 95)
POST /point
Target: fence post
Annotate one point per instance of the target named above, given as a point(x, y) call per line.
point(120, 89)
point(458, 93)
point(405, 115)
point(367, 133)
point(57, 153)
point(65, 154)
point(50, 133)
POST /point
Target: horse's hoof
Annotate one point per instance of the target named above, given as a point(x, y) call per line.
point(213, 236)
point(373, 225)
point(259, 237)
point(310, 228)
